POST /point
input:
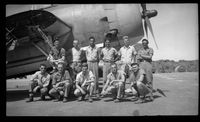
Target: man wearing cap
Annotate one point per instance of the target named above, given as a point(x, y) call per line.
point(145, 58)
point(56, 55)
point(62, 83)
point(39, 83)
point(84, 83)
point(92, 55)
point(139, 83)
point(108, 55)
point(115, 83)
point(127, 54)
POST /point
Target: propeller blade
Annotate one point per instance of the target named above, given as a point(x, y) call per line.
point(144, 7)
point(150, 28)
point(145, 27)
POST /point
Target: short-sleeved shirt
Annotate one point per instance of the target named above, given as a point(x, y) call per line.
point(127, 54)
point(108, 53)
point(43, 78)
point(58, 77)
point(60, 54)
point(80, 78)
point(92, 53)
point(76, 54)
point(136, 75)
point(146, 52)
point(119, 76)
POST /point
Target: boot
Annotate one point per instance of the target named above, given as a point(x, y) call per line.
point(90, 99)
point(80, 98)
point(151, 97)
point(65, 100)
point(42, 98)
point(117, 100)
point(57, 99)
point(30, 99)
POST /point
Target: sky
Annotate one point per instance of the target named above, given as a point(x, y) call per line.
point(176, 31)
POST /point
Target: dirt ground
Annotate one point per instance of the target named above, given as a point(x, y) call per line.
point(181, 90)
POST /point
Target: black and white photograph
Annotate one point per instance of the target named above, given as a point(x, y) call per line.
point(116, 59)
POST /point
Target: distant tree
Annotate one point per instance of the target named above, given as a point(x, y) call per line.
point(180, 68)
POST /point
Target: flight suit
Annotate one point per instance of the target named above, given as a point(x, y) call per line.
point(92, 61)
point(64, 88)
point(146, 64)
point(108, 58)
point(39, 83)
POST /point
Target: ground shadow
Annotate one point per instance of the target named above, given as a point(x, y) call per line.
point(96, 99)
point(133, 99)
point(156, 96)
point(108, 100)
point(161, 92)
point(148, 100)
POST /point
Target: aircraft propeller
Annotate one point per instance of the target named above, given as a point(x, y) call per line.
point(146, 14)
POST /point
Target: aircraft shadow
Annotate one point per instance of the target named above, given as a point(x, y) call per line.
point(18, 95)
point(165, 90)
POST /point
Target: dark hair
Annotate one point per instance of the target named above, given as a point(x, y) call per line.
point(84, 65)
point(91, 37)
point(43, 65)
point(55, 41)
point(61, 63)
point(55, 38)
point(107, 39)
point(134, 64)
point(145, 40)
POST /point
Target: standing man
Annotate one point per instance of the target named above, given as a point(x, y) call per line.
point(76, 53)
point(84, 83)
point(76, 56)
point(127, 54)
point(39, 83)
point(108, 55)
point(56, 55)
point(115, 83)
point(145, 58)
point(92, 56)
point(139, 82)
point(61, 84)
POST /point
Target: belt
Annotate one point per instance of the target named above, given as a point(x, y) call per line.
point(93, 61)
point(108, 61)
point(76, 61)
point(126, 63)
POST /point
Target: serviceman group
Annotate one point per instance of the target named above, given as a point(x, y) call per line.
point(82, 78)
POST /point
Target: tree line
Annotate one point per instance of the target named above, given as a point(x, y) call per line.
point(168, 66)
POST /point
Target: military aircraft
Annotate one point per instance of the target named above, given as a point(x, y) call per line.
point(27, 26)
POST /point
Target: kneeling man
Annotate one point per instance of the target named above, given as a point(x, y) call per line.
point(62, 83)
point(115, 83)
point(39, 83)
point(84, 83)
point(139, 83)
